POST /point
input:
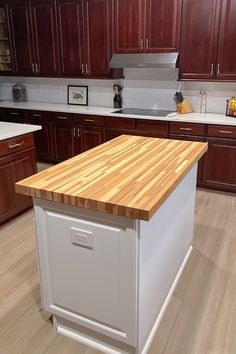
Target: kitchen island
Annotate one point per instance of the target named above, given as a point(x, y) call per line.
point(17, 161)
point(114, 231)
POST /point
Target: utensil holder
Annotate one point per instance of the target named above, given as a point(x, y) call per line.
point(184, 107)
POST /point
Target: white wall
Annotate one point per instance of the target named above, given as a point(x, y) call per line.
point(143, 88)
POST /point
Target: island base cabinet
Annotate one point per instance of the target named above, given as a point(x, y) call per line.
point(107, 279)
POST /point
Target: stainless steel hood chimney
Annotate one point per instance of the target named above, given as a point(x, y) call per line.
point(160, 60)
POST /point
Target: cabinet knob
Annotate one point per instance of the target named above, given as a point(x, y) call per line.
point(212, 69)
point(147, 43)
point(82, 69)
point(89, 120)
point(87, 68)
point(186, 129)
point(15, 145)
point(33, 67)
point(218, 70)
point(225, 132)
point(37, 68)
point(141, 44)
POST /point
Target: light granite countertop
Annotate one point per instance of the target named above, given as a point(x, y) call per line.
point(205, 118)
point(10, 130)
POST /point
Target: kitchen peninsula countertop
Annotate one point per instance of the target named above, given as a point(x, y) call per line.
point(204, 118)
point(128, 176)
point(10, 130)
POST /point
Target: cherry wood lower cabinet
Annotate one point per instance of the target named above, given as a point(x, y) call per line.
point(89, 137)
point(43, 137)
point(65, 136)
point(219, 168)
point(13, 168)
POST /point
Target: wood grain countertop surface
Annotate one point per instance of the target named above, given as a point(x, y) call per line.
point(129, 176)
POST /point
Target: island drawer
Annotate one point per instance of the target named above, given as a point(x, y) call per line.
point(18, 143)
point(152, 125)
point(63, 117)
point(120, 123)
point(221, 131)
point(39, 115)
point(187, 128)
point(91, 120)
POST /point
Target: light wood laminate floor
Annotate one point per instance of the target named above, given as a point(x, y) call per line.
point(200, 319)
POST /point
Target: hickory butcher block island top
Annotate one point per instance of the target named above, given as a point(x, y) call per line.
point(114, 230)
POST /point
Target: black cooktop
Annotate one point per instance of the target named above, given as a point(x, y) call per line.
point(144, 112)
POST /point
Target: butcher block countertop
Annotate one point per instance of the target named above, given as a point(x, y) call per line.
point(128, 176)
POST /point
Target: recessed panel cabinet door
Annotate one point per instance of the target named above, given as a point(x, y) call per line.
point(65, 141)
point(90, 137)
point(219, 165)
point(162, 25)
point(226, 63)
point(98, 37)
point(70, 25)
point(199, 39)
point(128, 33)
point(21, 34)
point(45, 37)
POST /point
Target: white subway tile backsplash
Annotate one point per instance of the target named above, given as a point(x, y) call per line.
point(143, 88)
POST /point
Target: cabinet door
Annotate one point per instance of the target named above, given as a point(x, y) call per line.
point(199, 39)
point(45, 37)
point(89, 137)
point(162, 25)
point(65, 141)
point(70, 26)
point(98, 37)
point(219, 170)
point(129, 26)
point(21, 35)
point(43, 139)
point(14, 168)
point(226, 63)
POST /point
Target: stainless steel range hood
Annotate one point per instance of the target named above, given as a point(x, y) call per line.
point(161, 60)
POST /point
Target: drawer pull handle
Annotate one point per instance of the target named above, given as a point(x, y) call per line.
point(89, 120)
point(62, 118)
point(186, 129)
point(15, 145)
point(225, 132)
point(37, 115)
point(14, 113)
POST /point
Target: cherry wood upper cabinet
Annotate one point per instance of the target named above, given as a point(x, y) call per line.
point(70, 25)
point(129, 30)
point(143, 26)
point(200, 20)
point(162, 25)
point(226, 60)
point(45, 37)
point(20, 32)
point(34, 37)
point(98, 37)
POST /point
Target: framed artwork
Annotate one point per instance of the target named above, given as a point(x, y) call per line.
point(77, 95)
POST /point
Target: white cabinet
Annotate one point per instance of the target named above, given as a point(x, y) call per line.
point(106, 279)
point(89, 270)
